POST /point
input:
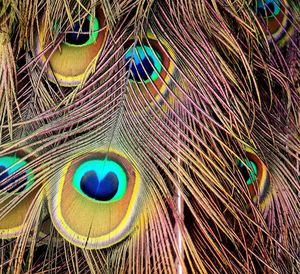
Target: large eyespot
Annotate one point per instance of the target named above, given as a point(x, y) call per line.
point(94, 200)
point(256, 177)
point(275, 15)
point(83, 41)
point(149, 66)
point(16, 193)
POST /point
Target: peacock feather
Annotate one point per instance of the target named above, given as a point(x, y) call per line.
point(150, 136)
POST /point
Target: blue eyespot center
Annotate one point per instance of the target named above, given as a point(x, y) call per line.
point(268, 8)
point(248, 175)
point(103, 190)
point(76, 38)
point(145, 66)
point(102, 180)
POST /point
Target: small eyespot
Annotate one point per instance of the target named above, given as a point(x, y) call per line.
point(93, 202)
point(275, 16)
point(67, 64)
point(150, 69)
point(256, 177)
point(268, 8)
point(146, 65)
point(249, 171)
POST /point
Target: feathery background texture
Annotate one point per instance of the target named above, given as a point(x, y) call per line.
point(149, 136)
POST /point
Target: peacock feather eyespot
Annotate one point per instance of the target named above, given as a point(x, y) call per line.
point(94, 202)
point(146, 65)
point(268, 8)
point(68, 64)
point(17, 191)
point(255, 175)
point(275, 15)
point(150, 67)
point(249, 171)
